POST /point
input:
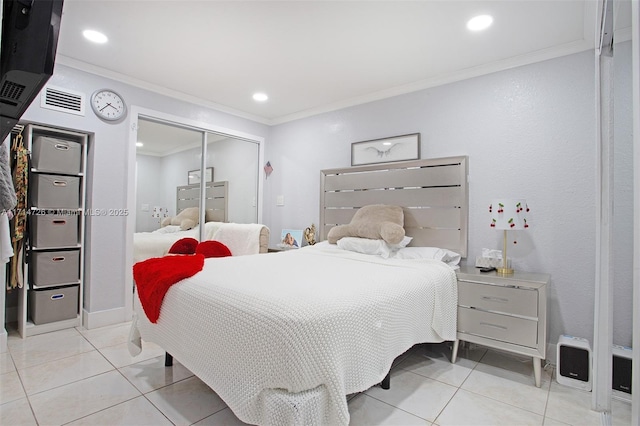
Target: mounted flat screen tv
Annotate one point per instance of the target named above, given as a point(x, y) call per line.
point(30, 31)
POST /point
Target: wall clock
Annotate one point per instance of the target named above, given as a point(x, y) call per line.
point(108, 105)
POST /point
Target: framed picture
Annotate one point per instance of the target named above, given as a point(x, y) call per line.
point(194, 176)
point(397, 148)
point(290, 238)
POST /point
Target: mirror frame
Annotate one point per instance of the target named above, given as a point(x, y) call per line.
point(137, 112)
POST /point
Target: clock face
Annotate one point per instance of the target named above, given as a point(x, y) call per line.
point(108, 105)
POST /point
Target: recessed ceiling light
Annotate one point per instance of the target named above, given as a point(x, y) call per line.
point(260, 97)
point(139, 144)
point(95, 36)
point(479, 23)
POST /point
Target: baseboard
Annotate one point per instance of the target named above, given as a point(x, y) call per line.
point(98, 319)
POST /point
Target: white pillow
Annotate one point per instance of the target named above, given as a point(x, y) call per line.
point(447, 256)
point(370, 246)
point(365, 246)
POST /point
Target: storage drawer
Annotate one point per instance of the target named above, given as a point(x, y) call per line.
point(55, 191)
point(55, 304)
point(54, 230)
point(509, 300)
point(504, 328)
point(49, 268)
point(50, 154)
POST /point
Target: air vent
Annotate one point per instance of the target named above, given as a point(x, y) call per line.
point(11, 91)
point(65, 100)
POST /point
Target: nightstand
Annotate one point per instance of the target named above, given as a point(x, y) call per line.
point(503, 312)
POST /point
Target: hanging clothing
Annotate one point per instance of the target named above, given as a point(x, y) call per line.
point(20, 183)
point(7, 193)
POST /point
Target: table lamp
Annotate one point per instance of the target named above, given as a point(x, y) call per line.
point(508, 214)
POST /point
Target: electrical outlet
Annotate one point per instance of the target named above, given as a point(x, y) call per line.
point(280, 200)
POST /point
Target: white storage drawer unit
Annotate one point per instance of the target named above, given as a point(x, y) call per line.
point(54, 230)
point(504, 312)
point(49, 268)
point(55, 191)
point(50, 154)
point(54, 304)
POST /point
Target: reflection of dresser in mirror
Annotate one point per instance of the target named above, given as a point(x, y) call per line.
point(170, 151)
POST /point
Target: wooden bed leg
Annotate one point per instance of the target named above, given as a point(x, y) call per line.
point(168, 359)
point(386, 382)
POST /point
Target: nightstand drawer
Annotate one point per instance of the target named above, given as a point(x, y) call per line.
point(495, 298)
point(505, 328)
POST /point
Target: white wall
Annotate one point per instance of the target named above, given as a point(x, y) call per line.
point(528, 132)
point(148, 184)
point(237, 162)
point(108, 175)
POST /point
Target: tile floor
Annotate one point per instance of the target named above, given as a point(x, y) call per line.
point(87, 377)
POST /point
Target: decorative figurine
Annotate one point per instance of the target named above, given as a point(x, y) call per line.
point(310, 235)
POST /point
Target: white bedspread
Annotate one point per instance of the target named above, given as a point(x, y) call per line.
point(282, 338)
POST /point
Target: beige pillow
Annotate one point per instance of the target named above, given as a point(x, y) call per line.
point(376, 221)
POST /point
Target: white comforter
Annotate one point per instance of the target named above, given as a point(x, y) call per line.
point(282, 338)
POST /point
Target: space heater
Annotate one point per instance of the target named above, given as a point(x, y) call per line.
point(574, 362)
point(621, 380)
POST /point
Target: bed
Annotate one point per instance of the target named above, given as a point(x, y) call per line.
point(283, 338)
point(241, 238)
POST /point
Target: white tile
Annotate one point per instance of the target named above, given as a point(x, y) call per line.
point(367, 411)
point(6, 363)
point(187, 401)
point(119, 355)
point(10, 387)
point(43, 348)
point(79, 399)
point(151, 374)
point(107, 336)
point(415, 394)
point(67, 370)
point(508, 378)
point(467, 408)
point(15, 341)
point(570, 405)
point(223, 417)
point(136, 412)
point(437, 366)
point(620, 413)
point(17, 413)
point(551, 422)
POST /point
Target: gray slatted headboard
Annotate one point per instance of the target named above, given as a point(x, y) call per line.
point(217, 196)
point(433, 193)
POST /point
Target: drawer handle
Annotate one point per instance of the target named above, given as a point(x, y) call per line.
point(494, 326)
point(61, 147)
point(495, 299)
point(59, 183)
point(59, 222)
point(58, 259)
point(57, 296)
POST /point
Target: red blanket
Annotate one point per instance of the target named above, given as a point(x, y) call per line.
point(154, 276)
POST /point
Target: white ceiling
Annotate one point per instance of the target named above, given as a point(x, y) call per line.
point(316, 56)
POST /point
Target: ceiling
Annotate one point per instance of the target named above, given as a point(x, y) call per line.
point(316, 56)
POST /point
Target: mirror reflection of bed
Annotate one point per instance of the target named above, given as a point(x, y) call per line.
point(166, 153)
